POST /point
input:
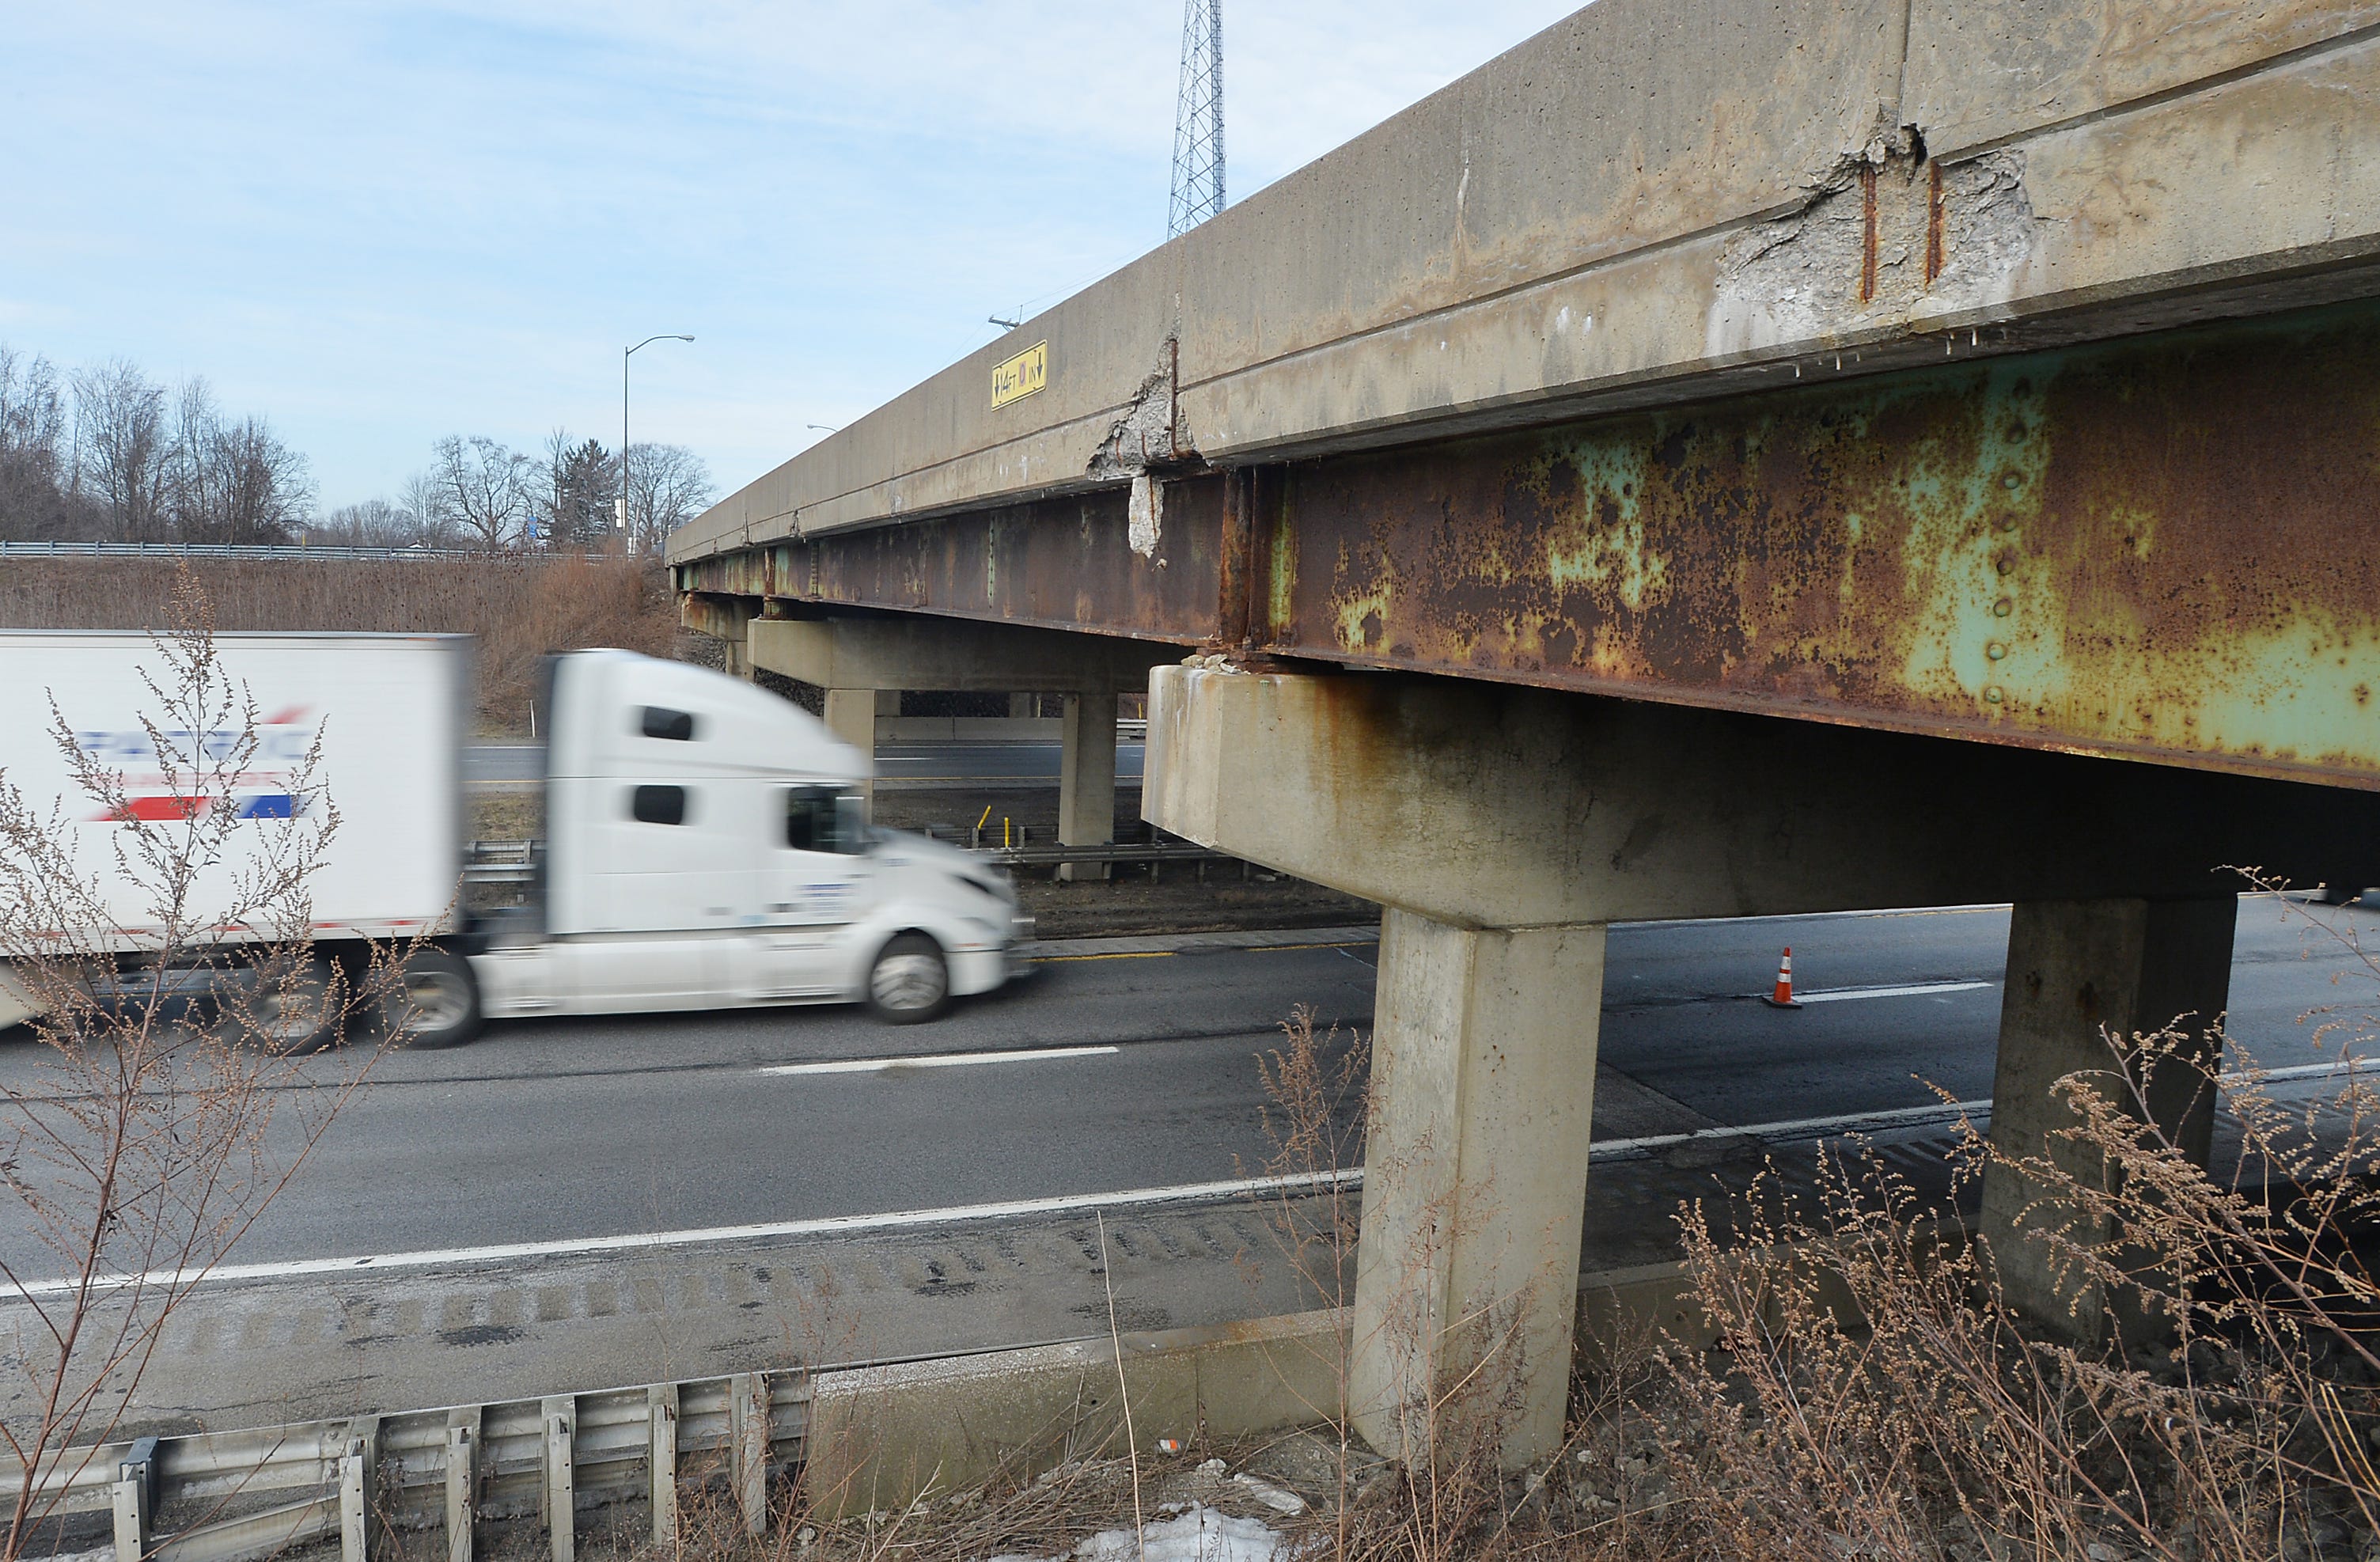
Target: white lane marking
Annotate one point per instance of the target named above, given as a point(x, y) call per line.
point(2316, 1071)
point(1844, 995)
point(841, 1224)
point(1896, 1117)
point(1824, 916)
point(936, 1060)
point(1188, 1192)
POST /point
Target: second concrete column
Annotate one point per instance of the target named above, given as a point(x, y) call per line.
point(1474, 1183)
point(1086, 779)
point(2081, 972)
point(851, 716)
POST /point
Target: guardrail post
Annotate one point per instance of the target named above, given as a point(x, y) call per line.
point(353, 1511)
point(560, 1514)
point(660, 1405)
point(748, 1398)
point(136, 1499)
point(462, 1461)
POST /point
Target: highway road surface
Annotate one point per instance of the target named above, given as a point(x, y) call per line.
point(1123, 1069)
point(466, 1200)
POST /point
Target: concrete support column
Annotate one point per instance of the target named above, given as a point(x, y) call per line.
point(888, 702)
point(851, 716)
point(1474, 1182)
point(1086, 779)
point(2077, 967)
point(1021, 706)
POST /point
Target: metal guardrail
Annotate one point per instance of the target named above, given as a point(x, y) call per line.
point(1155, 854)
point(499, 861)
point(264, 550)
point(229, 1496)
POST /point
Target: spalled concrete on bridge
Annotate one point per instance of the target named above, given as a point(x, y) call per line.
point(1645, 203)
point(1803, 357)
point(1504, 828)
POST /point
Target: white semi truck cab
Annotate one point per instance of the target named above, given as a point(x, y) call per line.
point(706, 844)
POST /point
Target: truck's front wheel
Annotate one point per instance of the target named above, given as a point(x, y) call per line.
point(910, 982)
point(292, 1008)
point(433, 1001)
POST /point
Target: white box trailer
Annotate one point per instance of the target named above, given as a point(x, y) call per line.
point(389, 711)
point(705, 846)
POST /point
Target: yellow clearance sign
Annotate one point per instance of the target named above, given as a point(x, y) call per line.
point(1021, 375)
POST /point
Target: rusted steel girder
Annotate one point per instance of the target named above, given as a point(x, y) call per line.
point(2166, 547)
point(1065, 564)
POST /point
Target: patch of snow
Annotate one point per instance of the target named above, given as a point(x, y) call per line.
point(1197, 1534)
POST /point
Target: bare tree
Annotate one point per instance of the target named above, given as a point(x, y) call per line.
point(146, 1145)
point(123, 445)
point(372, 523)
point(482, 488)
point(36, 453)
point(233, 481)
point(668, 485)
point(423, 497)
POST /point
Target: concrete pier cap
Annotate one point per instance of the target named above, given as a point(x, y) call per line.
point(1505, 827)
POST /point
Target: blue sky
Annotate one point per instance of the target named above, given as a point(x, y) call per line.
point(378, 224)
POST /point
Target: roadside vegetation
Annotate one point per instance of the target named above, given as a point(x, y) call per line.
point(103, 452)
point(520, 606)
point(158, 1100)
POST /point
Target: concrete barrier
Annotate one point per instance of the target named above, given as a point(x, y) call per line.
point(967, 729)
point(880, 1437)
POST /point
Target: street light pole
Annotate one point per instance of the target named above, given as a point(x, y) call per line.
point(620, 505)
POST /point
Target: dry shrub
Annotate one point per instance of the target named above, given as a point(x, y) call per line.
point(163, 1103)
point(1875, 1395)
point(520, 606)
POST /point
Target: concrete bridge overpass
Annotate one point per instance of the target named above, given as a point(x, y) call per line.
point(1714, 459)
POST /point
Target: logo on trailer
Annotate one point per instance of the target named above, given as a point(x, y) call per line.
point(156, 783)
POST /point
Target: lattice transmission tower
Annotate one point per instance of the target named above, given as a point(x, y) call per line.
point(1198, 119)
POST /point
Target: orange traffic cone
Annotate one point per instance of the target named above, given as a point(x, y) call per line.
point(1783, 996)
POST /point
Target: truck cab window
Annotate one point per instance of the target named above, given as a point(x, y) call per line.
point(822, 819)
point(658, 805)
point(675, 726)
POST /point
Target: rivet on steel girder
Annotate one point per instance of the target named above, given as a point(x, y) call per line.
point(1995, 650)
point(2003, 607)
point(1992, 695)
point(2006, 563)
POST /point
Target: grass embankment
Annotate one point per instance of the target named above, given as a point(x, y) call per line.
point(519, 607)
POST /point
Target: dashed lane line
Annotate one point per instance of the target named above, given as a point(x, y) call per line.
point(939, 1060)
point(1905, 990)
